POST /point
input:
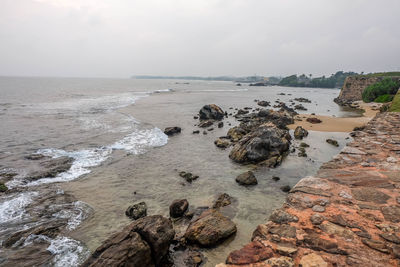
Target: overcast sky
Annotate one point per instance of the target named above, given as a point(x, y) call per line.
point(120, 38)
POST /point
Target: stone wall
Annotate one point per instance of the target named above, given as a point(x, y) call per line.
point(354, 86)
point(348, 214)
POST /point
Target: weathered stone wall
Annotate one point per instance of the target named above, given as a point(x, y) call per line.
point(354, 86)
point(347, 215)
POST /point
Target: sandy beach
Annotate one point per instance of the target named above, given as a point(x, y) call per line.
point(337, 124)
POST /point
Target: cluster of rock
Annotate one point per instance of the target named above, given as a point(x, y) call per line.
point(347, 215)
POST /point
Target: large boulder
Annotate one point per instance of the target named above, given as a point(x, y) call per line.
point(265, 142)
point(211, 112)
point(144, 242)
point(210, 228)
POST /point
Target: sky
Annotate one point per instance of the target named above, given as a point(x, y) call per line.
point(120, 38)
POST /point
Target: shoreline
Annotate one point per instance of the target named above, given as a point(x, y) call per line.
point(337, 124)
point(347, 214)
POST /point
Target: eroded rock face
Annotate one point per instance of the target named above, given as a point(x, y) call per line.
point(211, 112)
point(144, 242)
point(210, 229)
point(265, 142)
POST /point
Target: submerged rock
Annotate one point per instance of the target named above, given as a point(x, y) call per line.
point(211, 112)
point(172, 130)
point(246, 178)
point(332, 142)
point(137, 211)
point(300, 132)
point(205, 124)
point(265, 142)
point(178, 207)
point(210, 229)
point(222, 201)
point(144, 242)
point(189, 177)
point(51, 168)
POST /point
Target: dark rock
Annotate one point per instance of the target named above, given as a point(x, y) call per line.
point(210, 229)
point(281, 216)
point(189, 177)
point(3, 187)
point(263, 143)
point(211, 112)
point(210, 129)
point(242, 112)
point(285, 188)
point(299, 107)
point(220, 124)
point(391, 237)
point(172, 130)
point(332, 142)
point(376, 244)
point(263, 103)
point(178, 207)
point(313, 120)
point(137, 211)
point(302, 99)
point(195, 117)
point(276, 178)
point(51, 168)
point(314, 241)
point(246, 178)
point(300, 132)
point(205, 124)
point(35, 156)
point(196, 132)
point(222, 143)
point(302, 152)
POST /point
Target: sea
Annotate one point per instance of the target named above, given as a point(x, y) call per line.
point(113, 130)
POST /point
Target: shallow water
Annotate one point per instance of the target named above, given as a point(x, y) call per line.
point(111, 127)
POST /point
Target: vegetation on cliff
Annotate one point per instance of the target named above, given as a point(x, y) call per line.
point(334, 81)
point(382, 74)
point(395, 107)
point(385, 87)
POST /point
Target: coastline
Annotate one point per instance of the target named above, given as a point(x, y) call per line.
point(337, 124)
point(347, 214)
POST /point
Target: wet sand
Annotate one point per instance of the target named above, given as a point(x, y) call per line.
point(337, 124)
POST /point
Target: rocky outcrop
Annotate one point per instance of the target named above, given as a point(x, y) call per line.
point(145, 242)
point(265, 142)
point(348, 214)
point(211, 112)
point(354, 86)
point(136, 211)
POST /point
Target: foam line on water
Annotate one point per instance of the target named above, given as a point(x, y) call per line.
point(14, 208)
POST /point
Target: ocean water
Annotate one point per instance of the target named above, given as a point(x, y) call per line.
point(113, 129)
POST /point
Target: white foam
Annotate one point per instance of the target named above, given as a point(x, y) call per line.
point(67, 252)
point(163, 91)
point(76, 215)
point(14, 208)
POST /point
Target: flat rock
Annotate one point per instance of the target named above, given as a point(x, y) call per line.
point(313, 260)
point(369, 194)
point(251, 253)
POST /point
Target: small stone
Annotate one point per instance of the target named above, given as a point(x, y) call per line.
point(178, 207)
point(318, 208)
point(302, 144)
point(172, 130)
point(317, 219)
point(246, 178)
point(281, 216)
point(222, 143)
point(276, 178)
point(137, 211)
point(3, 187)
point(285, 188)
point(196, 132)
point(220, 124)
point(222, 201)
point(313, 260)
point(332, 142)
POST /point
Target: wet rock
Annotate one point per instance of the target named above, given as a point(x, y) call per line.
point(285, 188)
point(246, 178)
point(251, 253)
point(313, 260)
point(303, 100)
point(178, 207)
point(3, 187)
point(222, 143)
point(172, 130)
point(332, 142)
point(205, 124)
point(145, 242)
point(210, 229)
point(222, 201)
point(193, 259)
point(300, 132)
point(211, 112)
point(302, 152)
point(263, 103)
point(137, 211)
point(189, 177)
point(369, 194)
point(35, 157)
point(196, 132)
point(304, 145)
point(241, 112)
point(281, 216)
point(210, 129)
point(51, 168)
point(265, 142)
point(220, 124)
point(313, 120)
point(299, 107)
point(276, 178)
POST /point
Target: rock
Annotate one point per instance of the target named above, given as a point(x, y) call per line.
point(313, 260)
point(189, 177)
point(391, 213)
point(246, 178)
point(205, 124)
point(332, 142)
point(137, 211)
point(369, 194)
point(220, 124)
point(144, 242)
point(302, 152)
point(317, 219)
point(285, 188)
point(304, 145)
point(196, 132)
point(300, 132)
point(391, 237)
point(281, 216)
point(211, 112)
point(313, 120)
point(302, 99)
point(3, 187)
point(172, 130)
point(299, 107)
point(222, 143)
point(286, 249)
point(178, 207)
point(352, 150)
point(35, 156)
point(251, 253)
point(210, 129)
point(276, 178)
point(263, 143)
point(195, 117)
point(376, 244)
point(193, 259)
point(236, 133)
point(210, 228)
point(318, 208)
point(280, 262)
point(263, 103)
point(222, 201)
point(241, 112)
point(51, 168)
